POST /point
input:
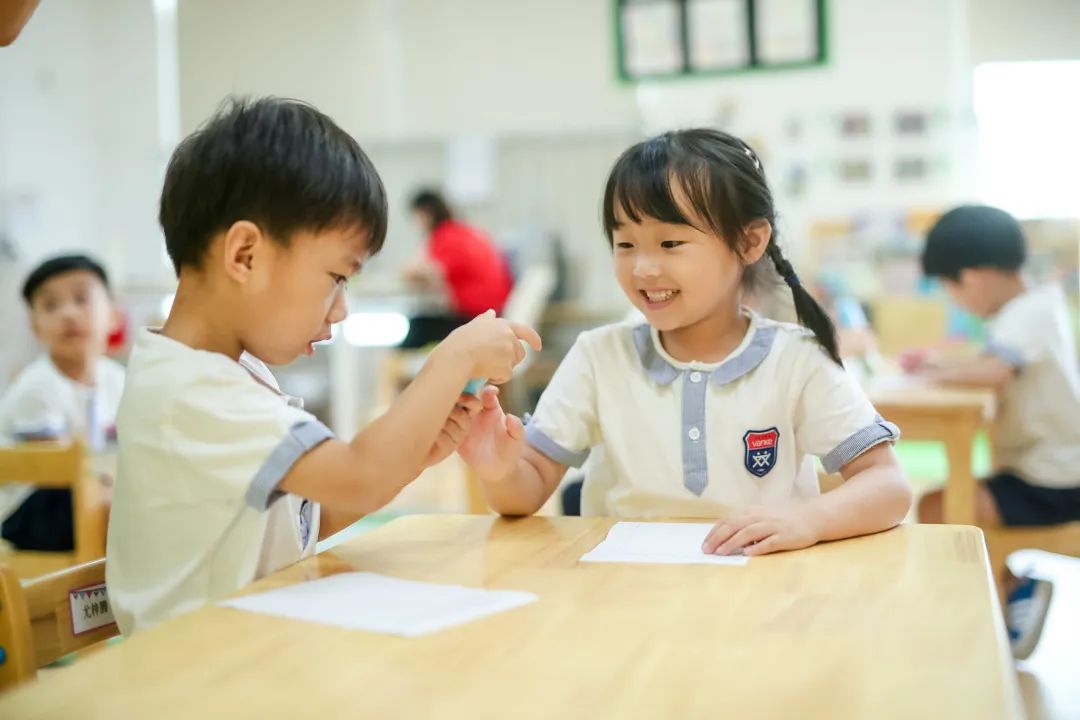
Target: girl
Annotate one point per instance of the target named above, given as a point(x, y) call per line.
point(707, 409)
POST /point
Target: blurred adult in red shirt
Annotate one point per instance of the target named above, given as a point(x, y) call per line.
point(459, 258)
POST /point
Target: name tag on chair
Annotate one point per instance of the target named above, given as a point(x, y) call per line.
point(89, 609)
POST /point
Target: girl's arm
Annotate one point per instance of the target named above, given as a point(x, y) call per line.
point(874, 497)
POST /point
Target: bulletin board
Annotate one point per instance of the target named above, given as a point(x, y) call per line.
point(658, 39)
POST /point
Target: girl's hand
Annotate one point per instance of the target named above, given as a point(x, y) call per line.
point(761, 530)
point(495, 441)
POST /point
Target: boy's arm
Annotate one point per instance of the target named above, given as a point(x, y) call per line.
point(363, 475)
point(331, 522)
point(983, 371)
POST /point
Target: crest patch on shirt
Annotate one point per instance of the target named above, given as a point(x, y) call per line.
point(761, 447)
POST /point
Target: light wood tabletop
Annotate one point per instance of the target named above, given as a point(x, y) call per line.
point(951, 416)
point(897, 625)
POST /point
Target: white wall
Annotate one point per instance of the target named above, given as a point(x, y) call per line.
point(1016, 30)
point(392, 69)
point(80, 166)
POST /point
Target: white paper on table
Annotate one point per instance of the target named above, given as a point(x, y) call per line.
point(367, 601)
point(663, 543)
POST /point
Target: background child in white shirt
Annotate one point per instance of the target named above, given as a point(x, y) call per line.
point(977, 253)
point(71, 391)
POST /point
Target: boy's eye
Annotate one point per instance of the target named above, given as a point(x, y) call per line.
point(671, 244)
point(624, 245)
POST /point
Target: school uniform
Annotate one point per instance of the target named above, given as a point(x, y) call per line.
point(664, 438)
point(196, 510)
point(1036, 433)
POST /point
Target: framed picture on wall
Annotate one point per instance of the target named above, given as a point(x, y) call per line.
point(677, 38)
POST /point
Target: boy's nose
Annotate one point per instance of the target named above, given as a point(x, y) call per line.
point(339, 309)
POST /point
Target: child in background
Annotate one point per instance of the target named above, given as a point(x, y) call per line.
point(72, 391)
point(267, 211)
point(706, 409)
point(1030, 360)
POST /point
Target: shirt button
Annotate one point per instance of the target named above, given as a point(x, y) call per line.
point(694, 434)
point(695, 376)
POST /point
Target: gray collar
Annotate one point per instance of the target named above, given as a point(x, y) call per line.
point(662, 372)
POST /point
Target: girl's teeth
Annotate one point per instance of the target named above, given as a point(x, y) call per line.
point(660, 297)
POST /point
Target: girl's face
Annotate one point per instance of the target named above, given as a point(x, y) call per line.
point(675, 274)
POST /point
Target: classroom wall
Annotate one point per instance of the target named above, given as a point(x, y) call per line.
point(1017, 30)
point(388, 70)
point(80, 164)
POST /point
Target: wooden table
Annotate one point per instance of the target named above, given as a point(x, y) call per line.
point(950, 416)
point(898, 625)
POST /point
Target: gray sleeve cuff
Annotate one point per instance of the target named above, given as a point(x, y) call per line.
point(536, 437)
point(870, 436)
point(302, 437)
point(1006, 353)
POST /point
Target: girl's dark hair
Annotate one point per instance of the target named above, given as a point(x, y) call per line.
point(433, 204)
point(724, 184)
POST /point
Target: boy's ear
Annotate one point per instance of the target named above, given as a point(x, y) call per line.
point(756, 236)
point(34, 325)
point(241, 245)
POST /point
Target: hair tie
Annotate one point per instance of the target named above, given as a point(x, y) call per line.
point(750, 154)
point(792, 279)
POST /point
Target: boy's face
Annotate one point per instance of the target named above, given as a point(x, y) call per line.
point(71, 315)
point(972, 290)
point(298, 292)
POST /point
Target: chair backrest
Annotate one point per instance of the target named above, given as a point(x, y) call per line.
point(48, 617)
point(42, 464)
point(529, 298)
point(63, 465)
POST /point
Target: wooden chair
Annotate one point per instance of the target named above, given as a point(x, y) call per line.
point(56, 465)
point(37, 625)
point(1003, 541)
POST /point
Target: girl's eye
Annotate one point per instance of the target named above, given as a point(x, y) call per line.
point(339, 279)
point(624, 245)
point(671, 244)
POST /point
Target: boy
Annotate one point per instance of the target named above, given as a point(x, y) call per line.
point(1030, 359)
point(72, 391)
point(267, 211)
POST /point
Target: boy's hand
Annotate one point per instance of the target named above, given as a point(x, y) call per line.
point(914, 361)
point(761, 530)
point(495, 440)
point(454, 430)
point(492, 345)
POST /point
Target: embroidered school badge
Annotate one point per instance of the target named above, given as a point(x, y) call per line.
point(761, 447)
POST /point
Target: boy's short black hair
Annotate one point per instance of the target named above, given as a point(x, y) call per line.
point(58, 266)
point(432, 202)
point(973, 236)
point(279, 163)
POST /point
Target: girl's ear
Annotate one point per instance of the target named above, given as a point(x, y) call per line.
point(755, 239)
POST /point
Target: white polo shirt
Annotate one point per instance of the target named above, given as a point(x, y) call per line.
point(44, 403)
point(665, 438)
point(1036, 433)
point(196, 514)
